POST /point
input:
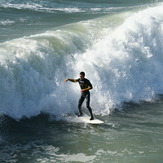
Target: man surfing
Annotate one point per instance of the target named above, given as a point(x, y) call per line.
point(85, 86)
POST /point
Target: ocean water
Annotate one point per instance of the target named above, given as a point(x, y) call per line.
point(119, 44)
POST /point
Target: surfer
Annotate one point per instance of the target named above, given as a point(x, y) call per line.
point(85, 86)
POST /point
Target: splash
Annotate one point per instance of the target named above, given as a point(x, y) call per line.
point(123, 62)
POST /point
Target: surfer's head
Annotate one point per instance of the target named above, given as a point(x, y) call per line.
point(82, 75)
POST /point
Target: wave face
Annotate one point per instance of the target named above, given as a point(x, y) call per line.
point(123, 61)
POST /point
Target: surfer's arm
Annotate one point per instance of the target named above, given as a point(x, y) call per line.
point(71, 80)
point(86, 89)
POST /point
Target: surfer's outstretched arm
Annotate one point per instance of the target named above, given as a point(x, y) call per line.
point(71, 80)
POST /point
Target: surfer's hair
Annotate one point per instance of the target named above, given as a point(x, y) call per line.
point(82, 73)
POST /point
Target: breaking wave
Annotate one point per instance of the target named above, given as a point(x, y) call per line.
point(123, 62)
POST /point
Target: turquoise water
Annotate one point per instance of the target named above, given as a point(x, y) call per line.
point(118, 44)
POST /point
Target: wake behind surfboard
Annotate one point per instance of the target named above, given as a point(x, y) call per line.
point(86, 119)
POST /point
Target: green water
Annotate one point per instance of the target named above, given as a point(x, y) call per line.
point(132, 135)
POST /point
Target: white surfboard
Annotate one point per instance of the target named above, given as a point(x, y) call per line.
point(86, 119)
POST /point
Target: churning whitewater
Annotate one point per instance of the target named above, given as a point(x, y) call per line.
point(122, 59)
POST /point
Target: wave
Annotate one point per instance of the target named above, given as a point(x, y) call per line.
point(55, 7)
point(123, 62)
point(40, 8)
point(6, 22)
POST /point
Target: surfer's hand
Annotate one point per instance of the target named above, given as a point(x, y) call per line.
point(65, 80)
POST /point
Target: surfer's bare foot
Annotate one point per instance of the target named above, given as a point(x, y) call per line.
point(92, 118)
point(80, 115)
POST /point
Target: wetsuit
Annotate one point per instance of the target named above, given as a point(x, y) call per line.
point(84, 84)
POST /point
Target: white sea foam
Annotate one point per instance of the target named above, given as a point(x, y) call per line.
point(21, 6)
point(124, 65)
point(6, 22)
point(41, 7)
point(127, 64)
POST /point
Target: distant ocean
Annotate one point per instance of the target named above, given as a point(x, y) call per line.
point(119, 45)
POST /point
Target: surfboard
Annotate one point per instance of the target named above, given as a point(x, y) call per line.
point(86, 119)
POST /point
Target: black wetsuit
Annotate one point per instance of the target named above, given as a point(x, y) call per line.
point(84, 83)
